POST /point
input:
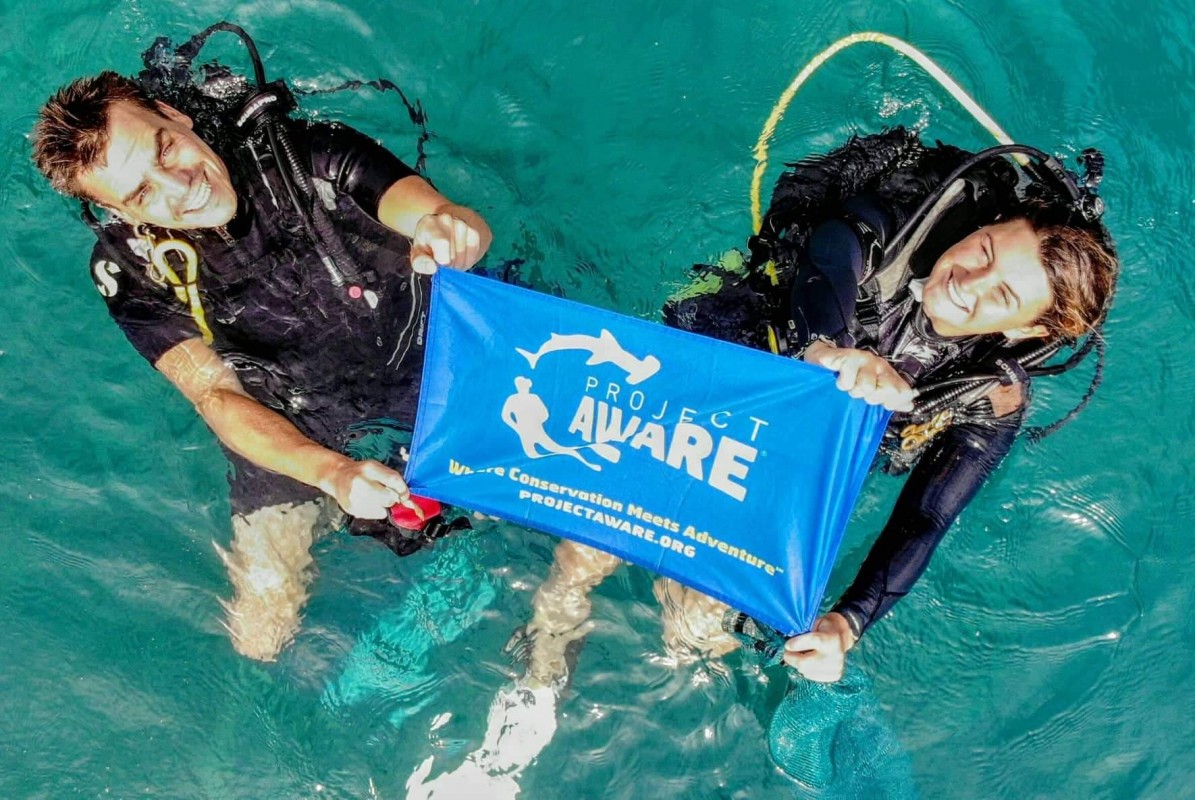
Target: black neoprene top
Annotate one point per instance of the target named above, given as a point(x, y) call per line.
point(955, 465)
point(299, 344)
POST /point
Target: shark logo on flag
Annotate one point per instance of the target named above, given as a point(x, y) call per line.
point(526, 414)
point(602, 349)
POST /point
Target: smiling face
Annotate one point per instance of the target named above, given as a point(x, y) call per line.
point(157, 171)
point(992, 281)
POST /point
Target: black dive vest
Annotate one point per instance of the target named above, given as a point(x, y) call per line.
point(744, 302)
point(750, 303)
point(300, 345)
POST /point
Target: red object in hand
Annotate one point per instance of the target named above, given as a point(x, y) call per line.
point(403, 517)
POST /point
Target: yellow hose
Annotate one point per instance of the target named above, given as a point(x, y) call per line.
point(186, 291)
point(948, 83)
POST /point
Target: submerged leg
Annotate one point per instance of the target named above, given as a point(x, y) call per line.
point(692, 622)
point(522, 718)
point(269, 564)
point(562, 608)
point(449, 595)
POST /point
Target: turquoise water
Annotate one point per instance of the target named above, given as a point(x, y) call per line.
point(1048, 651)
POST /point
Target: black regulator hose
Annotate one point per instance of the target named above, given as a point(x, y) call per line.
point(327, 244)
point(266, 108)
point(1037, 433)
point(1052, 164)
point(187, 51)
point(939, 395)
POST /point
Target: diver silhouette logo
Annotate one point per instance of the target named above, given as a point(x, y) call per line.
point(602, 349)
point(527, 415)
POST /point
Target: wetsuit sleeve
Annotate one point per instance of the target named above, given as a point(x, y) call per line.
point(151, 317)
point(826, 286)
point(940, 486)
point(354, 164)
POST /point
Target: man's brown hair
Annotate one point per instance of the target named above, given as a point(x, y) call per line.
point(71, 134)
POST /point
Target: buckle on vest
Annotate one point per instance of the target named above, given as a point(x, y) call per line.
point(914, 437)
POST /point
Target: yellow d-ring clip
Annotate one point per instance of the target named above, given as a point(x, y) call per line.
point(184, 249)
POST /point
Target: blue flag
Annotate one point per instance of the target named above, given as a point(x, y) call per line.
point(731, 470)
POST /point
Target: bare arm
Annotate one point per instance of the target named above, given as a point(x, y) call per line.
point(443, 232)
point(364, 489)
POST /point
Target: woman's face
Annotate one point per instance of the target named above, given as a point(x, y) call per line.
point(992, 281)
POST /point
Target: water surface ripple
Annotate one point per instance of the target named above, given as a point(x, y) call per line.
point(1046, 653)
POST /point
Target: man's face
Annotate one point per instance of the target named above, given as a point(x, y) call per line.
point(992, 281)
point(158, 172)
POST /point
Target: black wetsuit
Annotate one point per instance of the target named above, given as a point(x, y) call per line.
point(299, 344)
point(955, 464)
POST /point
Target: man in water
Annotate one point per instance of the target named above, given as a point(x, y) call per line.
point(961, 296)
point(278, 333)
